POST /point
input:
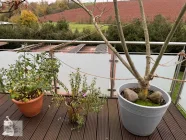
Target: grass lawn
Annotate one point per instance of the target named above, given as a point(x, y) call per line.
point(175, 94)
point(74, 26)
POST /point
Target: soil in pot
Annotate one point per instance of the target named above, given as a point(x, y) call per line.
point(146, 102)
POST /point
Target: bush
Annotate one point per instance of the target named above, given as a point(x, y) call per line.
point(158, 30)
point(92, 35)
point(62, 25)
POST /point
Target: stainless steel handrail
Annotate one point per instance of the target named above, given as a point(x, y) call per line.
point(89, 42)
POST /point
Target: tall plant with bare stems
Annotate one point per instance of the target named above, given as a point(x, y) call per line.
point(149, 72)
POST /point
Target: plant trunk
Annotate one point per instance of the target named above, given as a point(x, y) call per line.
point(144, 90)
point(71, 115)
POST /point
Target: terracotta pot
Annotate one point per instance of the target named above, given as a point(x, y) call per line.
point(30, 108)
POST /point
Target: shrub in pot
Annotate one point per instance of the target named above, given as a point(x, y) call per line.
point(82, 99)
point(28, 79)
point(137, 117)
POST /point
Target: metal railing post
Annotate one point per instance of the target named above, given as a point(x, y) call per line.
point(176, 73)
point(112, 74)
point(51, 53)
point(181, 88)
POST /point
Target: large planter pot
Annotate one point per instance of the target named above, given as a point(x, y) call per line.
point(141, 120)
point(30, 108)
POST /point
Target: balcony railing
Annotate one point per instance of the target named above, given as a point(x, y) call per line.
point(104, 65)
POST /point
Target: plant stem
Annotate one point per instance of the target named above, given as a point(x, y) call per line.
point(104, 38)
point(146, 33)
point(169, 37)
point(123, 42)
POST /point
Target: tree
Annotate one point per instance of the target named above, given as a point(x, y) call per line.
point(149, 73)
point(28, 18)
point(15, 18)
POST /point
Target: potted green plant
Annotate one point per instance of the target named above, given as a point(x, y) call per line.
point(137, 117)
point(82, 98)
point(28, 79)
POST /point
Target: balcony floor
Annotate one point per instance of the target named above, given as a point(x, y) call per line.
point(52, 124)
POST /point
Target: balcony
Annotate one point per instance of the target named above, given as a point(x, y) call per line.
point(52, 123)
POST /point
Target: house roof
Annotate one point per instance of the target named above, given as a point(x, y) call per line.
point(128, 11)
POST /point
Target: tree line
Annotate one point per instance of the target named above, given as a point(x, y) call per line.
point(158, 30)
point(40, 8)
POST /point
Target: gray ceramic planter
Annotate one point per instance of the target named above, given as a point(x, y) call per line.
point(141, 120)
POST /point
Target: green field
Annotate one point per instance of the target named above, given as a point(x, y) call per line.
point(80, 27)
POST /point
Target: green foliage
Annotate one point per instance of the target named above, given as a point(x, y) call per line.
point(84, 98)
point(62, 25)
point(92, 35)
point(4, 17)
point(45, 8)
point(158, 30)
point(62, 30)
point(30, 76)
point(26, 18)
point(133, 32)
point(59, 31)
point(81, 27)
